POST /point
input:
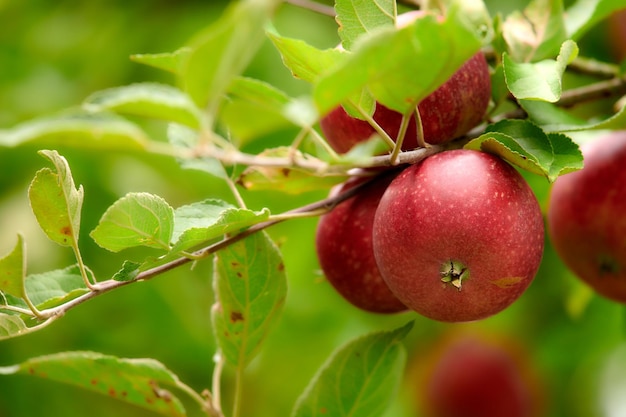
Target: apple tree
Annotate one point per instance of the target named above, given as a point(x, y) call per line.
point(314, 208)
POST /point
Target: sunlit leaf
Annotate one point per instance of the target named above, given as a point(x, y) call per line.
point(139, 382)
point(168, 61)
point(56, 202)
point(400, 67)
point(13, 270)
point(77, 129)
point(540, 80)
point(153, 100)
point(585, 14)
point(537, 32)
point(250, 287)
point(360, 379)
point(224, 50)
point(53, 288)
point(204, 221)
point(137, 219)
point(359, 17)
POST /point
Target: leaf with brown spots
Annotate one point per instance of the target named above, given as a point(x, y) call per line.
point(143, 382)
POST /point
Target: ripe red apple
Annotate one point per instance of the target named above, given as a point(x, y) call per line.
point(448, 113)
point(474, 375)
point(458, 236)
point(587, 216)
point(344, 249)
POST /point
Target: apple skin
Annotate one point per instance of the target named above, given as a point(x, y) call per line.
point(344, 248)
point(474, 375)
point(464, 208)
point(449, 112)
point(587, 216)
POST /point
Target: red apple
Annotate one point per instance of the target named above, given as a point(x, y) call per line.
point(473, 375)
point(448, 113)
point(458, 236)
point(344, 249)
point(587, 216)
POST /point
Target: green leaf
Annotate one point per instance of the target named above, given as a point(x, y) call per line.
point(77, 129)
point(360, 379)
point(585, 14)
point(199, 223)
point(524, 144)
point(136, 381)
point(153, 100)
point(536, 32)
point(541, 80)
point(358, 17)
point(128, 272)
point(250, 287)
point(137, 219)
point(400, 67)
point(167, 61)
point(224, 49)
point(56, 202)
point(13, 270)
point(555, 119)
point(187, 139)
point(11, 326)
point(288, 180)
point(56, 287)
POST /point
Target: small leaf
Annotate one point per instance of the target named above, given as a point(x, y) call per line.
point(360, 379)
point(153, 100)
point(137, 219)
point(567, 155)
point(79, 130)
point(250, 287)
point(56, 202)
point(224, 49)
point(56, 287)
point(134, 381)
point(585, 14)
point(168, 61)
point(11, 326)
point(536, 32)
point(13, 270)
point(128, 272)
point(199, 223)
point(357, 18)
point(541, 80)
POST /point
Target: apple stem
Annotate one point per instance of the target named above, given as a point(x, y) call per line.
point(397, 147)
point(454, 273)
point(419, 128)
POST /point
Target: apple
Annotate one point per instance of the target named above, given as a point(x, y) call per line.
point(449, 112)
point(474, 375)
point(458, 236)
point(587, 216)
point(344, 249)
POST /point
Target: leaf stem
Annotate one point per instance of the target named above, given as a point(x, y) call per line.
point(238, 396)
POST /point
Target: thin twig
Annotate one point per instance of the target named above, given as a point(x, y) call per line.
point(599, 90)
point(313, 6)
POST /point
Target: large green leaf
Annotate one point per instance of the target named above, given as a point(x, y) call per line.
point(56, 202)
point(53, 288)
point(137, 219)
point(400, 67)
point(77, 129)
point(359, 379)
point(250, 287)
point(153, 100)
point(224, 50)
point(358, 17)
point(139, 382)
point(13, 270)
point(540, 80)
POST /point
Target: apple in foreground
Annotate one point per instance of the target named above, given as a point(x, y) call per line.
point(344, 248)
point(587, 216)
point(458, 236)
point(449, 112)
point(474, 375)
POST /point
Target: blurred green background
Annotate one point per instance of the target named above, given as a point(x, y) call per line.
point(52, 56)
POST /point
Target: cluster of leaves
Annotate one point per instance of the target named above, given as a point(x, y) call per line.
point(531, 51)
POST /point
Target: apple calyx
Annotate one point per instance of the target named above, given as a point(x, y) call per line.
point(454, 273)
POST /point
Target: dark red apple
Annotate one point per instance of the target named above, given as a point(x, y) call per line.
point(587, 216)
point(448, 113)
point(344, 249)
point(458, 236)
point(475, 376)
